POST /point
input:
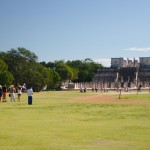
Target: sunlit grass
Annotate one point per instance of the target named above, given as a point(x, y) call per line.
point(136, 95)
point(58, 121)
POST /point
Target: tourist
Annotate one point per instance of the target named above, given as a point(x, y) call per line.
point(12, 91)
point(19, 92)
point(30, 93)
point(96, 89)
point(4, 88)
point(92, 88)
point(24, 87)
point(81, 89)
point(85, 90)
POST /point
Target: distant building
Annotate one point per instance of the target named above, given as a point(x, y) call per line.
point(125, 73)
point(121, 63)
point(144, 61)
point(117, 62)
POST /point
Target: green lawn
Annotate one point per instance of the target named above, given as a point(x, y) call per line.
point(59, 121)
point(139, 95)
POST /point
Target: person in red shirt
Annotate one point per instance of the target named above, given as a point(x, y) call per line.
point(4, 88)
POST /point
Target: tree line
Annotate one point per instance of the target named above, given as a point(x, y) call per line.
point(18, 66)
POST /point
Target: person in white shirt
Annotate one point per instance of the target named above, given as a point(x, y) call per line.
point(19, 92)
point(12, 91)
point(30, 93)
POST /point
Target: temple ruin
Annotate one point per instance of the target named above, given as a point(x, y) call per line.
point(124, 73)
point(121, 74)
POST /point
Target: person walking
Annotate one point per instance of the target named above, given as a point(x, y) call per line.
point(4, 88)
point(12, 91)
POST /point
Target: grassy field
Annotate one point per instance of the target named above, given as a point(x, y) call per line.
point(62, 121)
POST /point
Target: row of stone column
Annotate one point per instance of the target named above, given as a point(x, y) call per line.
point(99, 85)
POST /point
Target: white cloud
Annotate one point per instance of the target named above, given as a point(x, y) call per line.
point(105, 62)
point(144, 49)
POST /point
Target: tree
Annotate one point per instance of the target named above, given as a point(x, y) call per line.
point(5, 76)
point(24, 66)
point(27, 55)
point(56, 80)
point(85, 70)
point(64, 71)
point(18, 62)
point(38, 76)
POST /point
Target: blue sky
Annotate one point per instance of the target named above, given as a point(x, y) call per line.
point(76, 29)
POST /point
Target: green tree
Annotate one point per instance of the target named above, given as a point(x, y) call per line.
point(85, 70)
point(64, 71)
point(5, 76)
point(24, 66)
point(56, 79)
point(38, 76)
point(18, 62)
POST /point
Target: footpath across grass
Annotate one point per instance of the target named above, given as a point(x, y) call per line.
point(60, 121)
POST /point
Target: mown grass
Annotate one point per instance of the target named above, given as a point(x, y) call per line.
point(59, 121)
point(136, 95)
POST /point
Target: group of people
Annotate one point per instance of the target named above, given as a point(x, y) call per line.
point(83, 90)
point(93, 89)
point(12, 90)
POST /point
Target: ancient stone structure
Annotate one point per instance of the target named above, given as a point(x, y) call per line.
point(124, 73)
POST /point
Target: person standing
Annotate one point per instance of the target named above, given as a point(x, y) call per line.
point(19, 92)
point(12, 91)
point(1, 93)
point(4, 88)
point(30, 93)
point(24, 87)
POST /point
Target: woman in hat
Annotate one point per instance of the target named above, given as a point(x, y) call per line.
point(12, 91)
point(19, 92)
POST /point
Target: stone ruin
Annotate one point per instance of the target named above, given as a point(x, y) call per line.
point(125, 73)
